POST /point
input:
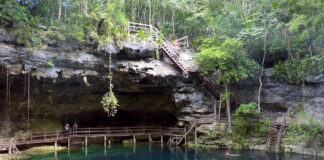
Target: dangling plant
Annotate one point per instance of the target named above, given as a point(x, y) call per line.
point(109, 100)
point(110, 103)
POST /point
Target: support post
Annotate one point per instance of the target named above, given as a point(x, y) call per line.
point(185, 135)
point(10, 148)
point(105, 140)
point(134, 139)
point(215, 111)
point(85, 141)
point(44, 135)
point(196, 135)
point(161, 139)
point(57, 134)
point(55, 145)
point(150, 138)
point(69, 144)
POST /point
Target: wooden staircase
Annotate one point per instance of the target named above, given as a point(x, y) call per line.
point(188, 130)
point(275, 136)
point(209, 85)
point(177, 140)
point(8, 145)
point(173, 55)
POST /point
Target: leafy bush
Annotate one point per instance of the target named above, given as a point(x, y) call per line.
point(305, 128)
point(246, 123)
point(21, 24)
point(295, 70)
point(247, 110)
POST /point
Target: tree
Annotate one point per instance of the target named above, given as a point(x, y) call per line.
point(263, 58)
point(59, 10)
point(229, 61)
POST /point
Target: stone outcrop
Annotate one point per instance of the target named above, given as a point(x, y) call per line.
point(278, 95)
point(65, 83)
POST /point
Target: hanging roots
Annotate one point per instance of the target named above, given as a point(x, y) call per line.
point(110, 103)
point(109, 100)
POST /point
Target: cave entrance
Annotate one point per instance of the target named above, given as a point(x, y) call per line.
point(122, 119)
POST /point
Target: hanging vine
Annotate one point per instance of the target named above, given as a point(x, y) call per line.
point(109, 100)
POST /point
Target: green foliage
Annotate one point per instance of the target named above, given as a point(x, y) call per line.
point(297, 24)
point(110, 103)
point(227, 58)
point(22, 25)
point(211, 134)
point(102, 24)
point(247, 110)
point(246, 123)
point(50, 64)
point(296, 70)
point(305, 128)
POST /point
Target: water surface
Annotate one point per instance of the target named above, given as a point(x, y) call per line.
point(158, 152)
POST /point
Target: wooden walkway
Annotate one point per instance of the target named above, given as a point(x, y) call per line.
point(108, 132)
point(186, 67)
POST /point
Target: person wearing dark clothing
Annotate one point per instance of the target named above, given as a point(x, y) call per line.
point(75, 128)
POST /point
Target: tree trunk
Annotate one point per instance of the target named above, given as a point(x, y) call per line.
point(215, 110)
point(228, 106)
point(150, 11)
point(219, 108)
point(133, 11)
point(85, 7)
point(288, 45)
point(263, 59)
point(173, 28)
point(65, 13)
point(59, 10)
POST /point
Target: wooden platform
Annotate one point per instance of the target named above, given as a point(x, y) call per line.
point(58, 135)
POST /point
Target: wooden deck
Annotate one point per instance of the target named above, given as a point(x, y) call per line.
point(60, 135)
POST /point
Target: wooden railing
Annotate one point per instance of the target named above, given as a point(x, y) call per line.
point(279, 136)
point(167, 46)
point(187, 130)
point(270, 135)
point(173, 54)
point(183, 41)
point(52, 136)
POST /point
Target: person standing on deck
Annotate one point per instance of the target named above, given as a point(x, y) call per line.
point(75, 128)
point(67, 128)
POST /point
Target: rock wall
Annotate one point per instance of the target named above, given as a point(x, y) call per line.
point(65, 85)
point(278, 96)
point(69, 79)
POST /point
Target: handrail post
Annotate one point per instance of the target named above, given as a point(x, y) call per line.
point(56, 134)
point(44, 134)
point(185, 135)
point(31, 136)
point(89, 131)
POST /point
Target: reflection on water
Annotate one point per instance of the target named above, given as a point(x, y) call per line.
point(161, 152)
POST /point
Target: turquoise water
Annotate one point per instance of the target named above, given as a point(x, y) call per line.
point(158, 152)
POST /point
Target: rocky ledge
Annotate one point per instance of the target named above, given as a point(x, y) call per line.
point(72, 83)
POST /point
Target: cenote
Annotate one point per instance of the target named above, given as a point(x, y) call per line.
point(158, 152)
point(243, 75)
